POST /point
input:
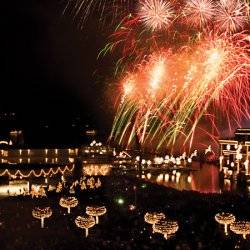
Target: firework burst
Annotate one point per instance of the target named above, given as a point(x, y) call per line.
point(231, 15)
point(173, 93)
point(156, 14)
point(180, 80)
point(199, 13)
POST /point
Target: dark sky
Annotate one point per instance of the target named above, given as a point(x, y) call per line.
point(50, 71)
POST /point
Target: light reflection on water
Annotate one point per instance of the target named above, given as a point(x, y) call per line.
point(202, 178)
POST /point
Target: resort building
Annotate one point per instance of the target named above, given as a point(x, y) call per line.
point(235, 153)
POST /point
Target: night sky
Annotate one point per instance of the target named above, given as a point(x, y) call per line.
point(50, 73)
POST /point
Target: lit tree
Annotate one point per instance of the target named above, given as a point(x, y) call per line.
point(68, 202)
point(85, 222)
point(96, 211)
point(42, 213)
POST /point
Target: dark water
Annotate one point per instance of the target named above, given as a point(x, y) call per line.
point(202, 178)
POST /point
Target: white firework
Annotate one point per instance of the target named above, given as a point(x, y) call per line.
point(156, 14)
point(232, 15)
point(198, 13)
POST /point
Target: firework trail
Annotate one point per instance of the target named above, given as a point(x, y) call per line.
point(106, 11)
point(231, 15)
point(199, 13)
point(169, 96)
point(183, 67)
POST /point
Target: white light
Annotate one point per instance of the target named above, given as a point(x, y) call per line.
point(167, 157)
point(178, 174)
point(71, 160)
point(159, 178)
point(166, 177)
point(178, 161)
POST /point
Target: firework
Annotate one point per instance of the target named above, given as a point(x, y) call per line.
point(156, 14)
point(81, 10)
point(173, 92)
point(231, 15)
point(199, 13)
point(176, 81)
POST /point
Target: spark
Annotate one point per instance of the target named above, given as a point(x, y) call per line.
point(215, 74)
point(231, 15)
point(199, 13)
point(156, 14)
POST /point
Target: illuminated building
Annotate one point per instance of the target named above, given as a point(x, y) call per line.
point(16, 136)
point(235, 153)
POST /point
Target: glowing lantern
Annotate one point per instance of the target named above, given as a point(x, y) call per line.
point(85, 222)
point(42, 213)
point(68, 202)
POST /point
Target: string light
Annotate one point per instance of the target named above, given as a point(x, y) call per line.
point(95, 169)
point(59, 187)
point(153, 217)
point(42, 172)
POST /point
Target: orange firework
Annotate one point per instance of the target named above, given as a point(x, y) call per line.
point(172, 92)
